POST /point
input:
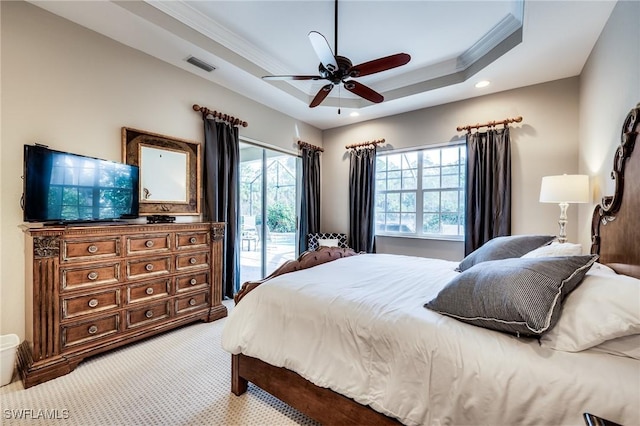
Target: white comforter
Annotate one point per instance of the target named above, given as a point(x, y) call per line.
point(358, 326)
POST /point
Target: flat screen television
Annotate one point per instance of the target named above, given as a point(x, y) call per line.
point(61, 187)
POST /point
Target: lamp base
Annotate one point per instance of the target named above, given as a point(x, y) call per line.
point(562, 236)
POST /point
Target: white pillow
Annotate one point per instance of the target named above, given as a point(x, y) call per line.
point(628, 346)
point(605, 306)
point(322, 242)
point(556, 249)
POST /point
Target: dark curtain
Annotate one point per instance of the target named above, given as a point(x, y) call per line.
point(221, 204)
point(488, 207)
point(310, 200)
point(362, 171)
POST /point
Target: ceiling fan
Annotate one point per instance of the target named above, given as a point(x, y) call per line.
point(339, 69)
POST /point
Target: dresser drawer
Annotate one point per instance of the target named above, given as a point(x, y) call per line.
point(90, 303)
point(142, 292)
point(187, 261)
point(192, 240)
point(148, 314)
point(93, 248)
point(88, 331)
point(92, 275)
point(149, 267)
point(155, 243)
point(192, 302)
point(192, 282)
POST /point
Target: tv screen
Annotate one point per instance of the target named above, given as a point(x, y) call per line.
point(62, 187)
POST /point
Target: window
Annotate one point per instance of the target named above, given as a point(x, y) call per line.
point(421, 192)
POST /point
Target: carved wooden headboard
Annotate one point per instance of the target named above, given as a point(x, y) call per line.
point(615, 225)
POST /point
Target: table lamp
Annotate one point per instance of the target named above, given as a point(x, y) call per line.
point(564, 189)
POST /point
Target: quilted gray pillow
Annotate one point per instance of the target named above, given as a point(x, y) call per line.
point(504, 248)
point(519, 295)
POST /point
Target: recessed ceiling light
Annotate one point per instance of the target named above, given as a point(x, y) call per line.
point(483, 83)
point(354, 114)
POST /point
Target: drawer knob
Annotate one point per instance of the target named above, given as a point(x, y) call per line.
point(92, 275)
point(149, 267)
point(149, 313)
point(192, 302)
point(193, 261)
point(93, 303)
point(193, 281)
point(149, 243)
point(93, 329)
point(92, 249)
point(149, 290)
point(192, 240)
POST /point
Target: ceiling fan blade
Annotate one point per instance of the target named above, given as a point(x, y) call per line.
point(322, 93)
point(323, 50)
point(380, 64)
point(292, 77)
point(363, 91)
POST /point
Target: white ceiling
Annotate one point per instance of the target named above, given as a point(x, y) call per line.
point(453, 44)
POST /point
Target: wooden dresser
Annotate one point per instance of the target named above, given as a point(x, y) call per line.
point(94, 288)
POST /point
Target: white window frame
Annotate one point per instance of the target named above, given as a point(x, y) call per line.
point(419, 191)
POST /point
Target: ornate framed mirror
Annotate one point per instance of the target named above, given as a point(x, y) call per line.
point(169, 171)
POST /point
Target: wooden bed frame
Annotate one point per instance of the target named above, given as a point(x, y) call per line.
point(615, 237)
point(615, 228)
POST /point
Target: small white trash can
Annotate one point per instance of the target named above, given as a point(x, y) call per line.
point(8, 345)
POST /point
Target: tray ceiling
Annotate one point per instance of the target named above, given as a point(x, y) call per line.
point(453, 44)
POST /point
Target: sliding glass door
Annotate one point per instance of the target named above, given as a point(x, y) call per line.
point(268, 209)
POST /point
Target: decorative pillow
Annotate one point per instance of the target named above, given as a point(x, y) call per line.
point(312, 240)
point(555, 249)
point(504, 248)
point(519, 296)
point(606, 306)
point(323, 242)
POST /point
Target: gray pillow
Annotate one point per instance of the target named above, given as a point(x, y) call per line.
point(520, 295)
point(504, 248)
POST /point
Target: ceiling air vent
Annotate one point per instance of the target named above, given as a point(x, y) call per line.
point(200, 64)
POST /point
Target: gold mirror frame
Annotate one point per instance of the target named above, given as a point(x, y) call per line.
point(132, 142)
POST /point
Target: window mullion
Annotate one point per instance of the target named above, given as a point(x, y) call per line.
point(419, 199)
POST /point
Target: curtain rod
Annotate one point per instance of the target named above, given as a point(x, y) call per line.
point(357, 145)
point(225, 117)
point(506, 121)
point(308, 145)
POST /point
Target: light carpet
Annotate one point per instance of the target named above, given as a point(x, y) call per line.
point(181, 377)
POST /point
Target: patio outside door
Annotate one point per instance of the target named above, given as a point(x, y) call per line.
point(268, 209)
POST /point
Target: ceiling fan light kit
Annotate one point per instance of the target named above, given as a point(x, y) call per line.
point(340, 70)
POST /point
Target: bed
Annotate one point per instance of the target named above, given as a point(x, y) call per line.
point(347, 339)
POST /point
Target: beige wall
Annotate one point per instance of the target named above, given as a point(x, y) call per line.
point(545, 143)
point(73, 89)
point(609, 88)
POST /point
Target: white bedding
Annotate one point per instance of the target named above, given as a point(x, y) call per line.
point(358, 326)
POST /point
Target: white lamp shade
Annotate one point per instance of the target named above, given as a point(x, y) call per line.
point(565, 189)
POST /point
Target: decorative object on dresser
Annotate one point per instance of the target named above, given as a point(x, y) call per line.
point(158, 218)
point(94, 288)
point(564, 189)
